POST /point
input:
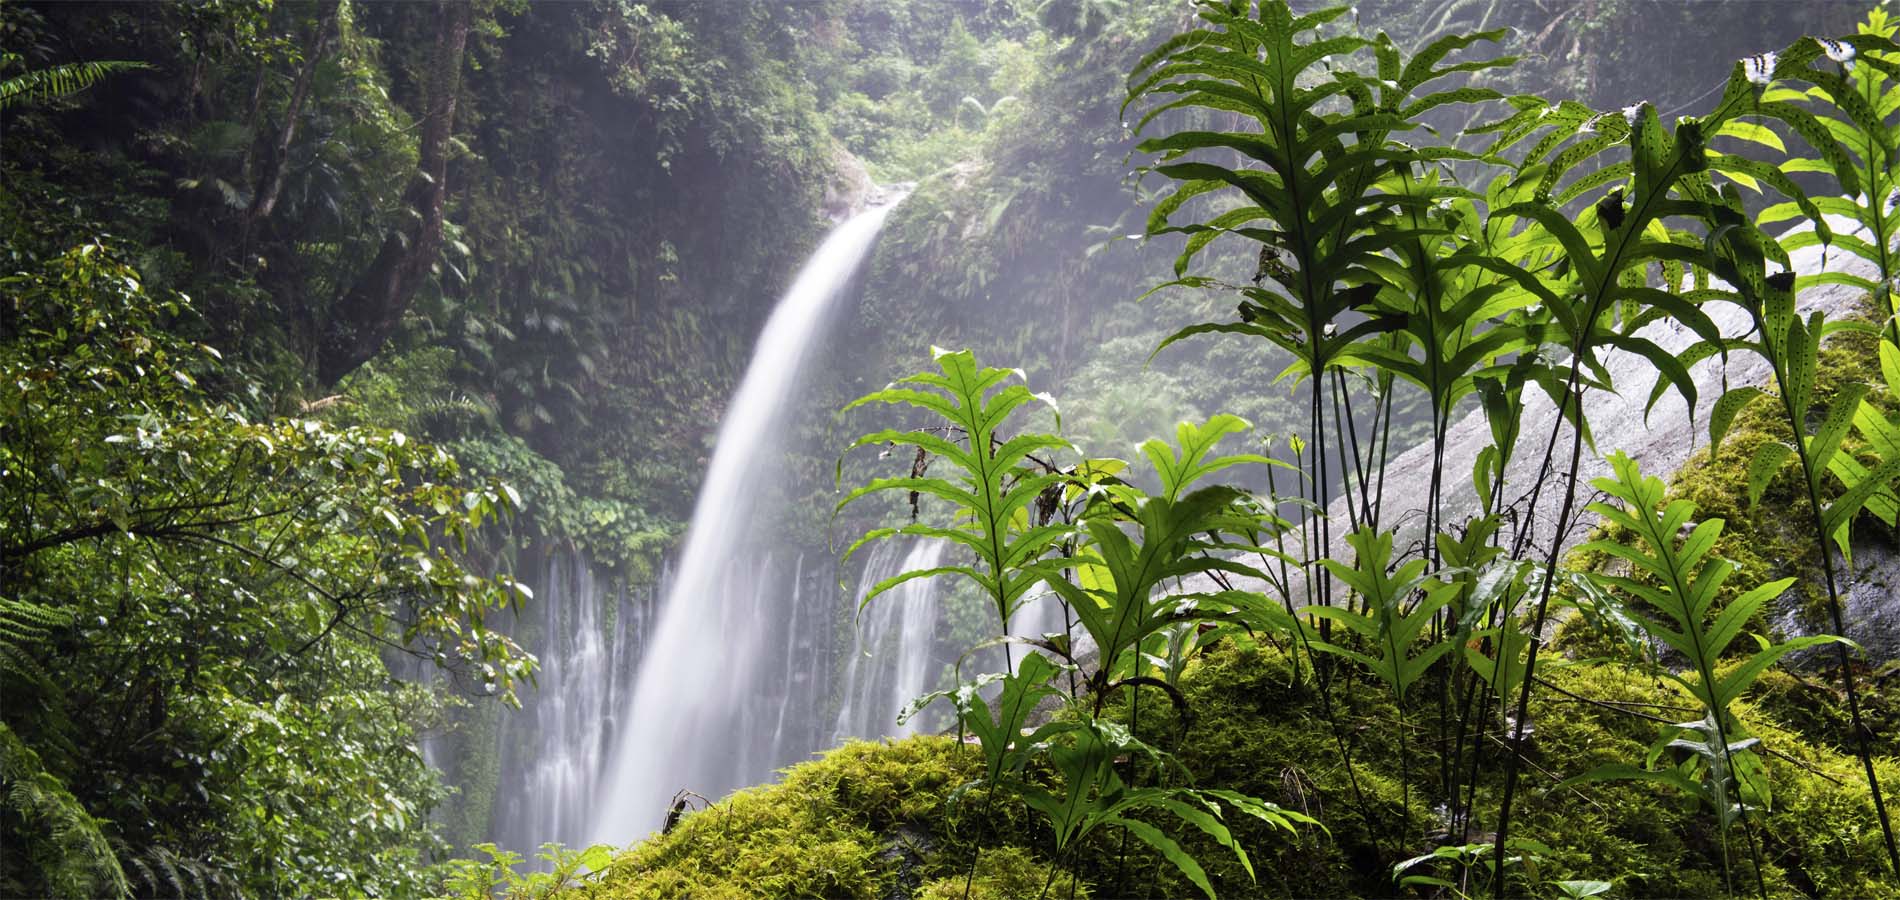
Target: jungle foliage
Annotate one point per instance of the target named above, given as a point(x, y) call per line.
point(201, 600)
point(305, 335)
point(318, 312)
point(1392, 260)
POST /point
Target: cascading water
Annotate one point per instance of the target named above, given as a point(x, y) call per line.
point(553, 750)
point(891, 660)
point(723, 696)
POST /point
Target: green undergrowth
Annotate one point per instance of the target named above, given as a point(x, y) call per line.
point(1257, 732)
point(877, 820)
point(862, 821)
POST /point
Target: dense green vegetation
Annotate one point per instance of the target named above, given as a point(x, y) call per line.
point(321, 316)
point(878, 820)
point(1578, 229)
point(265, 276)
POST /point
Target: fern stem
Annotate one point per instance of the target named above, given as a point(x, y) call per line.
point(1842, 660)
point(1572, 392)
point(1681, 589)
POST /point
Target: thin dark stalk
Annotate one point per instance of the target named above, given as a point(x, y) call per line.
point(1461, 812)
point(1341, 421)
point(1361, 464)
point(1571, 393)
point(1842, 660)
point(1134, 727)
point(1286, 596)
point(1049, 881)
point(1385, 444)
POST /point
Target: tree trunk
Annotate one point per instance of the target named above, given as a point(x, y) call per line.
point(271, 183)
point(369, 312)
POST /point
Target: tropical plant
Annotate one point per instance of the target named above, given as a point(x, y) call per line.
point(1325, 197)
point(1792, 347)
point(1846, 114)
point(65, 843)
point(1674, 573)
point(496, 876)
point(1093, 795)
point(218, 589)
point(997, 486)
point(1375, 260)
point(40, 85)
point(1109, 580)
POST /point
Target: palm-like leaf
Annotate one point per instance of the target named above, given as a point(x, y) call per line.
point(1680, 578)
point(1114, 595)
point(1386, 624)
point(41, 85)
point(1312, 191)
point(1846, 114)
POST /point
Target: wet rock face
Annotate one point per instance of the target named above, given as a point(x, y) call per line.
point(1873, 602)
point(1661, 439)
point(850, 189)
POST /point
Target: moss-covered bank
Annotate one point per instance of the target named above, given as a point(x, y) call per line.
point(888, 820)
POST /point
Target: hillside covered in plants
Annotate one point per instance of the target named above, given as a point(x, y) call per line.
point(949, 448)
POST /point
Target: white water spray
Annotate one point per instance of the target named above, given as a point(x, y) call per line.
point(892, 660)
point(709, 704)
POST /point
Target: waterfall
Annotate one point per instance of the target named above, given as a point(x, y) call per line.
point(891, 660)
point(727, 689)
point(553, 750)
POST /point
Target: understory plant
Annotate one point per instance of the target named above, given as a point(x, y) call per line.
point(1005, 503)
point(1672, 571)
point(1550, 249)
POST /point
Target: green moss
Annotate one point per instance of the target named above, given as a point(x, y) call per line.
point(888, 820)
point(1255, 733)
point(1005, 873)
point(865, 818)
point(1772, 539)
point(1813, 706)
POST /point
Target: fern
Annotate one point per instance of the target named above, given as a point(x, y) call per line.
point(41, 85)
point(65, 843)
point(23, 627)
point(1315, 198)
point(1847, 115)
point(996, 485)
point(1116, 594)
point(1881, 432)
point(1316, 194)
point(1791, 346)
point(1093, 795)
point(1680, 578)
point(1392, 630)
point(1386, 624)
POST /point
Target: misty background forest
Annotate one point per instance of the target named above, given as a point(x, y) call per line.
point(949, 449)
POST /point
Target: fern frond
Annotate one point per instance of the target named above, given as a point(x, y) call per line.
point(998, 480)
point(24, 626)
point(65, 842)
point(65, 80)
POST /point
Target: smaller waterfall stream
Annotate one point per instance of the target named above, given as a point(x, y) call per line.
point(892, 659)
point(588, 636)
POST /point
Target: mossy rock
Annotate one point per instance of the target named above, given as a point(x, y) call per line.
point(894, 820)
point(1006, 873)
point(866, 820)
